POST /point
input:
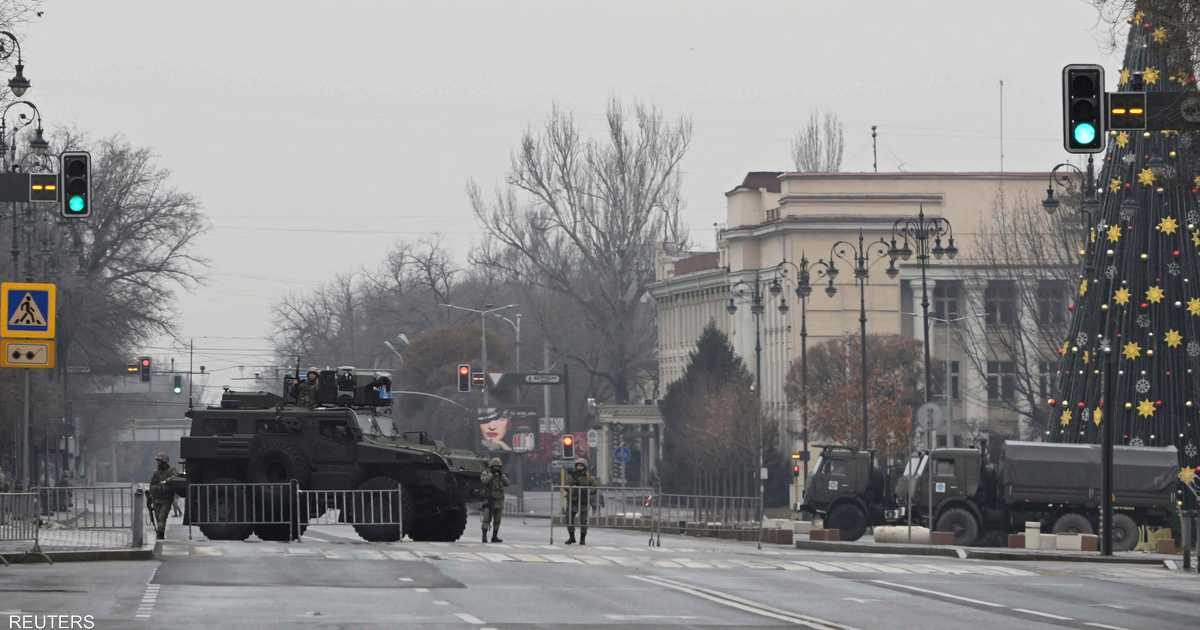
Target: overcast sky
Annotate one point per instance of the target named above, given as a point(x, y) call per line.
point(316, 134)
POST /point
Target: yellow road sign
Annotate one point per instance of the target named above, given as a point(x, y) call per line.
point(26, 353)
point(27, 310)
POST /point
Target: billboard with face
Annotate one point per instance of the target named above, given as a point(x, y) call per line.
point(508, 428)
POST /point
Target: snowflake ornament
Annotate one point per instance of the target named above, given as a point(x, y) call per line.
point(1173, 268)
point(1193, 217)
point(1143, 321)
point(1081, 339)
point(1128, 159)
point(1185, 141)
point(1137, 441)
point(1110, 272)
point(1190, 450)
point(1126, 212)
point(1142, 386)
point(1168, 172)
point(1193, 349)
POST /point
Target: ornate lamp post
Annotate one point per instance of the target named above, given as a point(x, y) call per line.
point(804, 272)
point(861, 258)
point(18, 84)
point(920, 229)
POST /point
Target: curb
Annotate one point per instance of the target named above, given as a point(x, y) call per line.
point(89, 556)
point(973, 553)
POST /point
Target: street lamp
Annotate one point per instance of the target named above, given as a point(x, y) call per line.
point(861, 258)
point(770, 279)
point(487, 309)
point(18, 84)
point(1088, 189)
point(804, 272)
point(516, 326)
point(38, 145)
point(920, 229)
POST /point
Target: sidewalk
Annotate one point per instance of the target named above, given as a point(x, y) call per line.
point(866, 544)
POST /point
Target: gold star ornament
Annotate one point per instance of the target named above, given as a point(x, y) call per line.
point(1145, 409)
point(1150, 76)
point(1114, 233)
point(1193, 307)
point(1146, 177)
point(1168, 225)
point(1122, 296)
point(1154, 295)
point(1137, 17)
point(1187, 474)
point(1097, 416)
point(1123, 77)
point(1159, 35)
point(1083, 284)
point(1196, 238)
point(1173, 338)
point(1065, 418)
point(1086, 357)
point(1131, 350)
point(1115, 184)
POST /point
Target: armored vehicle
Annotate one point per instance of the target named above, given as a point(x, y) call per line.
point(347, 440)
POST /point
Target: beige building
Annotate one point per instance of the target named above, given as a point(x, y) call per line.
point(775, 216)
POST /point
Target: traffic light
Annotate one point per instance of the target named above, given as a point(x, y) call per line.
point(1127, 111)
point(795, 471)
point(178, 389)
point(1083, 108)
point(464, 377)
point(477, 380)
point(144, 367)
point(133, 368)
point(76, 172)
point(568, 447)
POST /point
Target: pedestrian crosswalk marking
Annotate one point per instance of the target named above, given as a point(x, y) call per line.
point(400, 555)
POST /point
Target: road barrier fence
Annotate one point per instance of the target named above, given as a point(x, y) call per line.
point(646, 510)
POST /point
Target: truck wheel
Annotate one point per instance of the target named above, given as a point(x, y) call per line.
point(961, 523)
point(377, 508)
point(278, 461)
point(1072, 523)
point(1125, 534)
point(450, 525)
point(848, 518)
point(221, 507)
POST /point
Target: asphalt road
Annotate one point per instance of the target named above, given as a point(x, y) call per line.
point(332, 579)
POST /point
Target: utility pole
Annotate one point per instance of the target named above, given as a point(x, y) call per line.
point(191, 368)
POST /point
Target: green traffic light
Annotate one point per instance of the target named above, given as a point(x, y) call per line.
point(1084, 133)
point(76, 203)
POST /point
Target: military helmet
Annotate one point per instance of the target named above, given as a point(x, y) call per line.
point(495, 462)
point(313, 370)
point(580, 460)
point(162, 457)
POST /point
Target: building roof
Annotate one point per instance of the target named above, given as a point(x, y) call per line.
point(755, 180)
point(698, 261)
point(920, 175)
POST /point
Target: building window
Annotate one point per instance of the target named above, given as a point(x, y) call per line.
point(945, 300)
point(1051, 302)
point(1047, 381)
point(1000, 303)
point(1001, 380)
point(940, 383)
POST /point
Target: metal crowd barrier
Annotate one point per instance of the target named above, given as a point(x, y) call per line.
point(241, 504)
point(381, 508)
point(81, 517)
point(643, 509)
point(19, 523)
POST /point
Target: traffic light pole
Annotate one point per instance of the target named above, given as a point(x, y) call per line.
point(25, 438)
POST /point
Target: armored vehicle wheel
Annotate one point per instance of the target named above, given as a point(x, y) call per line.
point(961, 523)
point(447, 526)
point(221, 506)
point(848, 518)
point(277, 461)
point(382, 508)
point(1124, 533)
point(1072, 523)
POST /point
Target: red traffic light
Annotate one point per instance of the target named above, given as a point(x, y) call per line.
point(568, 440)
point(145, 362)
point(464, 369)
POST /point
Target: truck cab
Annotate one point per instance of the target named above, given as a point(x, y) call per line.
point(847, 489)
point(955, 477)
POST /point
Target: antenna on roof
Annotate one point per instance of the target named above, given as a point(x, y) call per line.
point(874, 151)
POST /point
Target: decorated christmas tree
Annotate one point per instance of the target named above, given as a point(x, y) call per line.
point(1132, 356)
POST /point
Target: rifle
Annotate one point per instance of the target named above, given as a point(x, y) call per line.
point(150, 509)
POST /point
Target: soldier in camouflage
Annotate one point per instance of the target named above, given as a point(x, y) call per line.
point(494, 482)
point(579, 497)
point(306, 391)
point(161, 497)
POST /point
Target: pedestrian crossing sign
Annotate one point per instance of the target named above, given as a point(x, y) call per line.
point(27, 310)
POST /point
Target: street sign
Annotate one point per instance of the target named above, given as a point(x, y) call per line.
point(593, 438)
point(551, 424)
point(27, 310)
point(22, 353)
point(539, 378)
point(930, 415)
point(621, 454)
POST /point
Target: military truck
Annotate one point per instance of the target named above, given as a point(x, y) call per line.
point(1057, 485)
point(349, 440)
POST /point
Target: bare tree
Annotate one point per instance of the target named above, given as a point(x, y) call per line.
point(580, 219)
point(1026, 261)
point(818, 147)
